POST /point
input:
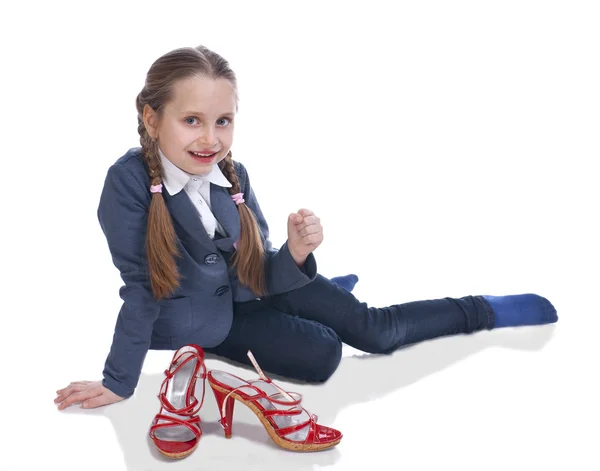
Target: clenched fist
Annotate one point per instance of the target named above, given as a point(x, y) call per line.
point(305, 234)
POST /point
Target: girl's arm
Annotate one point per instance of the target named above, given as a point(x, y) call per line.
point(282, 273)
point(123, 216)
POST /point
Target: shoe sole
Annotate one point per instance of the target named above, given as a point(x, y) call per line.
point(177, 455)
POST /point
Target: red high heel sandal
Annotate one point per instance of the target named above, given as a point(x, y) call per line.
point(288, 424)
point(176, 430)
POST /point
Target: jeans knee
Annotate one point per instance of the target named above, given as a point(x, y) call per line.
point(326, 359)
point(379, 343)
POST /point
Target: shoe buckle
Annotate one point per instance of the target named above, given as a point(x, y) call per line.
point(202, 371)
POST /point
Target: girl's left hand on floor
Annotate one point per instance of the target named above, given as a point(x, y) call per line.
point(305, 234)
point(89, 394)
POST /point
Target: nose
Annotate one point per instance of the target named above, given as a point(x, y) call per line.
point(208, 137)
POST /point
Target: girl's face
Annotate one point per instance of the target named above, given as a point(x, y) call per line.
point(198, 120)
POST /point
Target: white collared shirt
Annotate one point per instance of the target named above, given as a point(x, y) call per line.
point(197, 187)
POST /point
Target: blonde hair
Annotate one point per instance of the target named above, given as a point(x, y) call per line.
point(161, 239)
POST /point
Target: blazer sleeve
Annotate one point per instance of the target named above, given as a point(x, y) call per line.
point(123, 216)
point(282, 273)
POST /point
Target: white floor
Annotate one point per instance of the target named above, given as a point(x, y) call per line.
point(450, 153)
point(517, 399)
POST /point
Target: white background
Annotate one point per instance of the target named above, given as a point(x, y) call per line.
point(448, 148)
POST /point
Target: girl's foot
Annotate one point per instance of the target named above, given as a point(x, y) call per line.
point(521, 309)
point(347, 282)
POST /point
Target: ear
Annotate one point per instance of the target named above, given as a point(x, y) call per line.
point(150, 121)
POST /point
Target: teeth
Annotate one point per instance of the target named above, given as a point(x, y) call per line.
point(201, 155)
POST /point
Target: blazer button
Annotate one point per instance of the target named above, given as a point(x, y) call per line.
point(211, 259)
point(221, 290)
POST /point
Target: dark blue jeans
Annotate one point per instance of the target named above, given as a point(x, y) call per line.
point(299, 334)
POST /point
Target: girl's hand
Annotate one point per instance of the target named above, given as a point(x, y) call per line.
point(305, 234)
point(90, 393)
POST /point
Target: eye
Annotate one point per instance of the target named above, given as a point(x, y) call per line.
point(190, 118)
point(224, 119)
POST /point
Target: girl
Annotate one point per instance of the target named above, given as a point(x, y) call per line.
point(188, 236)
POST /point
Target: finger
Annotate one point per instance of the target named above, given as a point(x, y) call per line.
point(60, 391)
point(71, 389)
point(313, 239)
point(97, 401)
point(313, 229)
point(75, 387)
point(76, 398)
point(79, 397)
point(305, 212)
point(60, 398)
point(74, 383)
point(310, 220)
point(295, 218)
point(79, 382)
point(66, 400)
point(71, 386)
point(68, 391)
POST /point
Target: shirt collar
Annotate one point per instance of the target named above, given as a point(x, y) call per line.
point(176, 179)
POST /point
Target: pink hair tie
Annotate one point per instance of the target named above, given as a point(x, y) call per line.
point(156, 188)
point(238, 198)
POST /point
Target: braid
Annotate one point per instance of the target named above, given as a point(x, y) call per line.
point(161, 239)
point(249, 256)
point(152, 159)
point(228, 170)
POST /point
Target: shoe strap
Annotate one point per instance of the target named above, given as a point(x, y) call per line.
point(293, 428)
point(202, 376)
point(271, 412)
point(190, 409)
point(169, 374)
point(194, 405)
point(294, 403)
point(174, 422)
point(267, 379)
point(311, 435)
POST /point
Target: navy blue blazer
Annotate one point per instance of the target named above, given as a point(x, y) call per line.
point(203, 304)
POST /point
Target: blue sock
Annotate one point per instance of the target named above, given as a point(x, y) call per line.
point(347, 282)
point(521, 309)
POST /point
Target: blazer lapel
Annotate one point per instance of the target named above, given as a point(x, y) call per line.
point(189, 226)
point(226, 212)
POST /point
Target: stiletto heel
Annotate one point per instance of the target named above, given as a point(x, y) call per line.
point(225, 403)
point(288, 424)
point(176, 430)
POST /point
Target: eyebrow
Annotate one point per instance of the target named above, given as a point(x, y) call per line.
point(202, 114)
